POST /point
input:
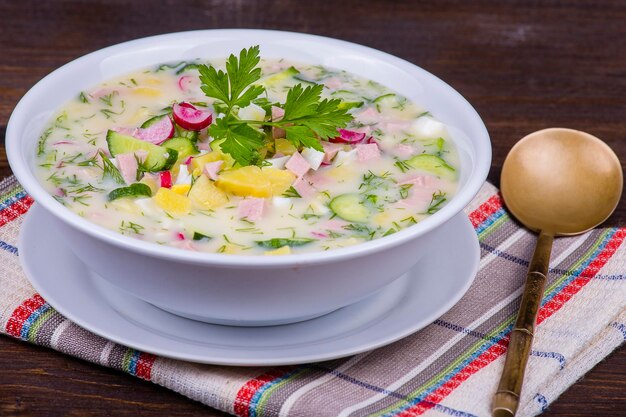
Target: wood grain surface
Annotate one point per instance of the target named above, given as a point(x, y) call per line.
point(524, 65)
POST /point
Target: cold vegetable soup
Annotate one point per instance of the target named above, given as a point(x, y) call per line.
point(248, 156)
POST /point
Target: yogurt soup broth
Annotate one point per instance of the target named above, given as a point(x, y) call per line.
point(251, 157)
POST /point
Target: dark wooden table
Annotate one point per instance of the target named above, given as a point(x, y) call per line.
point(524, 66)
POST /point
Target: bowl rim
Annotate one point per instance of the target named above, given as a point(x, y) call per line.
point(466, 193)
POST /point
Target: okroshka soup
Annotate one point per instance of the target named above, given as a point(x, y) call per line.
point(248, 156)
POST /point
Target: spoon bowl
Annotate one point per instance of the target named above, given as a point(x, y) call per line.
point(557, 182)
point(561, 181)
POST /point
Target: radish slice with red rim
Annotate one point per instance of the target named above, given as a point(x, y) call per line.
point(187, 116)
point(348, 136)
point(156, 130)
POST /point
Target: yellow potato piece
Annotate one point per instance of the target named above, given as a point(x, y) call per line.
point(146, 92)
point(199, 161)
point(283, 250)
point(150, 183)
point(284, 146)
point(205, 195)
point(245, 181)
point(281, 179)
point(181, 189)
point(173, 203)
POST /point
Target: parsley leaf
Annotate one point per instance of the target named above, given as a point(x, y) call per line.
point(307, 117)
point(242, 141)
point(234, 87)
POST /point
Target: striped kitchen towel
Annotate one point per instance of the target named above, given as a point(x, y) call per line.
point(451, 367)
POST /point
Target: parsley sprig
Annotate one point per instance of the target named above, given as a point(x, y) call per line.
point(307, 119)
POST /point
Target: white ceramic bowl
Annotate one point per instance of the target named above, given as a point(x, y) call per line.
point(238, 289)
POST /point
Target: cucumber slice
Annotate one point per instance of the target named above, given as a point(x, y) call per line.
point(159, 158)
point(280, 242)
point(433, 164)
point(350, 207)
point(192, 135)
point(153, 120)
point(133, 190)
point(276, 78)
point(183, 146)
point(389, 101)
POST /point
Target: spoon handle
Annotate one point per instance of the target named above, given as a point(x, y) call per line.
point(507, 397)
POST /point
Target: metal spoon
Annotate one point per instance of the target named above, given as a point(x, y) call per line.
point(556, 182)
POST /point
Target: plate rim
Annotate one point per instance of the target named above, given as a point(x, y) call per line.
point(242, 360)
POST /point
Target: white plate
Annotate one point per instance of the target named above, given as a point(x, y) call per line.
point(405, 306)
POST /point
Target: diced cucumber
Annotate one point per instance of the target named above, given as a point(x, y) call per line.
point(159, 158)
point(432, 164)
point(347, 105)
point(280, 242)
point(350, 207)
point(389, 101)
point(347, 96)
point(201, 236)
point(304, 81)
point(192, 135)
point(183, 146)
point(276, 78)
point(153, 120)
point(133, 190)
point(187, 67)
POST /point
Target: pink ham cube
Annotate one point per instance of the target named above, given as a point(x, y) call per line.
point(212, 168)
point(251, 208)
point(330, 150)
point(303, 187)
point(127, 164)
point(298, 165)
point(367, 152)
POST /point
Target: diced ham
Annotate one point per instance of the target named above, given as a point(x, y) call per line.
point(334, 225)
point(418, 200)
point(403, 151)
point(427, 181)
point(101, 92)
point(396, 126)
point(127, 164)
point(203, 146)
point(298, 165)
point(277, 114)
point(330, 150)
point(364, 129)
point(367, 152)
point(333, 83)
point(302, 186)
point(318, 179)
point(251, 208)
point(369, 115)
point(212, 168)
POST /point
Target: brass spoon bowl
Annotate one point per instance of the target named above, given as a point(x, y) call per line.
point(556, 182)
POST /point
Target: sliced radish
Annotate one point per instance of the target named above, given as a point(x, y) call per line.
point(187, 83)
point(348, 136)
point(166, 179)
point(157, 132)
point(188, 117)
